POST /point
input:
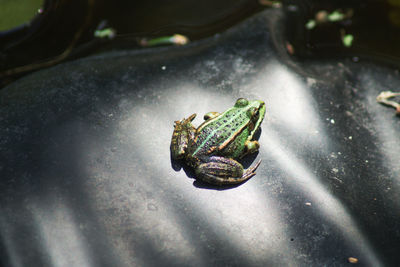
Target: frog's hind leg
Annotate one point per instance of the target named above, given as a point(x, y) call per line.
point(250, 172)
point(183, 133)
point(222, 171)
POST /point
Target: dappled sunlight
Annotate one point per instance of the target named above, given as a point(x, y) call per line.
point(143, 120)
point(246, 219)
point(87, 176)
point(7, 232)
point(61, 235)
point(289, 101)
point(134, 215)
point(174, 219)
point(143, 224)
point(303, 179)
point(50, 234)
point(243, 217)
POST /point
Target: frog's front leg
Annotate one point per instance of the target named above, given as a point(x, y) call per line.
point(251, 147)
point(219, 170)
point(183, 133)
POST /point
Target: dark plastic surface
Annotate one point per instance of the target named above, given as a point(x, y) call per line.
point(87, 180)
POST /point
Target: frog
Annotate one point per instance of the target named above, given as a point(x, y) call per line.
point(214, 148)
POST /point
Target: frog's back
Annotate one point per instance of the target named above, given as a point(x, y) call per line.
point(222, 135)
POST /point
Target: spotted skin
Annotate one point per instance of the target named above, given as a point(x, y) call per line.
point(213, 148)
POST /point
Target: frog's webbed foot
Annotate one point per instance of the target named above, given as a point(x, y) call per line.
point(220, 170)
point(183, 133)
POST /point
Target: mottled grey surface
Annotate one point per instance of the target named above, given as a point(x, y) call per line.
point(87, 180)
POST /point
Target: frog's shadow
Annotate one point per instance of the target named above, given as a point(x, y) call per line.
point(177, 165)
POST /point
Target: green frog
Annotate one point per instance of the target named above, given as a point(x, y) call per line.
point(214, 147)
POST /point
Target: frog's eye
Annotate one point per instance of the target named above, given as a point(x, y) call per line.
point(241, 102)
point(252, 112)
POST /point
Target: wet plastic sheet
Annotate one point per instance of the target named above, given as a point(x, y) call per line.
point(87, 180)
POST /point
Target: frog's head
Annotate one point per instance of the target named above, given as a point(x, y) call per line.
point(255, 111)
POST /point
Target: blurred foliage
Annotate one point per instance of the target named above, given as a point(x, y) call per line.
point(16, 12)
point(394, 13)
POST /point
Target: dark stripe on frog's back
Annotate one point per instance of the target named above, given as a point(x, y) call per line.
point(235, 148)
point(212, 128)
